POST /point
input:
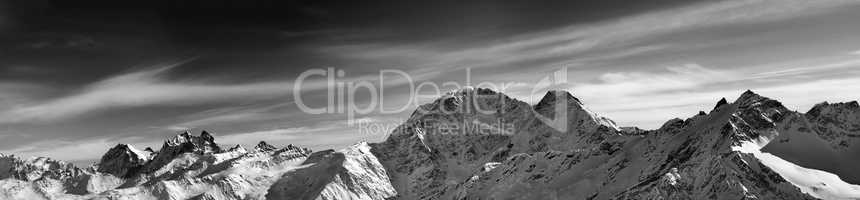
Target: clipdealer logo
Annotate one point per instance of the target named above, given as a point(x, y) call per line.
point(553, 81)
point(341, 96)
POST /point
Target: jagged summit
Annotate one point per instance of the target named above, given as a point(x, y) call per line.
point(750, 103)
point(126, 161)
point(749, 94)
point(204, 143)
point(722, 102)
point(236, 148)
point(750, 98)
point(263, 146)
point(122, 160)
point(206, 136)
point(553, 96)
point(556, 101)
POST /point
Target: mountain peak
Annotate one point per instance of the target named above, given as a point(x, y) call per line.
point(263, 146)
point(182, 143)
point(749, 97)
point(749, 93)
point(182, 137)
point(122, 160)
point(206, 136)
point(722, 102)
point(552, 97)
point(235, 148)
point(563, 101)
point(205, 143)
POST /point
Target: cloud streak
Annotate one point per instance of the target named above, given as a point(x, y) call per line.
point(574, 43)
point(144, 88)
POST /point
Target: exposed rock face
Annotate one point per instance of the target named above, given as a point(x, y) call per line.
point(838, 123)
point(123, 160)
point(720, 103)
point(263, 146)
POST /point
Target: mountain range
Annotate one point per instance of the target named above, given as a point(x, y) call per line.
point(499, 148)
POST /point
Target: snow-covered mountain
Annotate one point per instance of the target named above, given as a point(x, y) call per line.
point(481, 144)
point(195, 167)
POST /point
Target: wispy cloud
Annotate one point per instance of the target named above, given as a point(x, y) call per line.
point(575, 42)
point(800, 67)
point(240, 114)
point(690, 76)
point(145, 88)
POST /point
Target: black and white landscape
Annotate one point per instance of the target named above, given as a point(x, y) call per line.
point(426, 100)
point(751, 148)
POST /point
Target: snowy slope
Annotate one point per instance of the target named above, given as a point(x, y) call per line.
point(825, 138)
point(194, 167)
point(352, 173)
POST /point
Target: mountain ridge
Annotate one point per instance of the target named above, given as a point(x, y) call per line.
point(742, 149)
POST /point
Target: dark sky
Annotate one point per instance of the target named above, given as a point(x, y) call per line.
point(87, 74)
point(94, 38)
